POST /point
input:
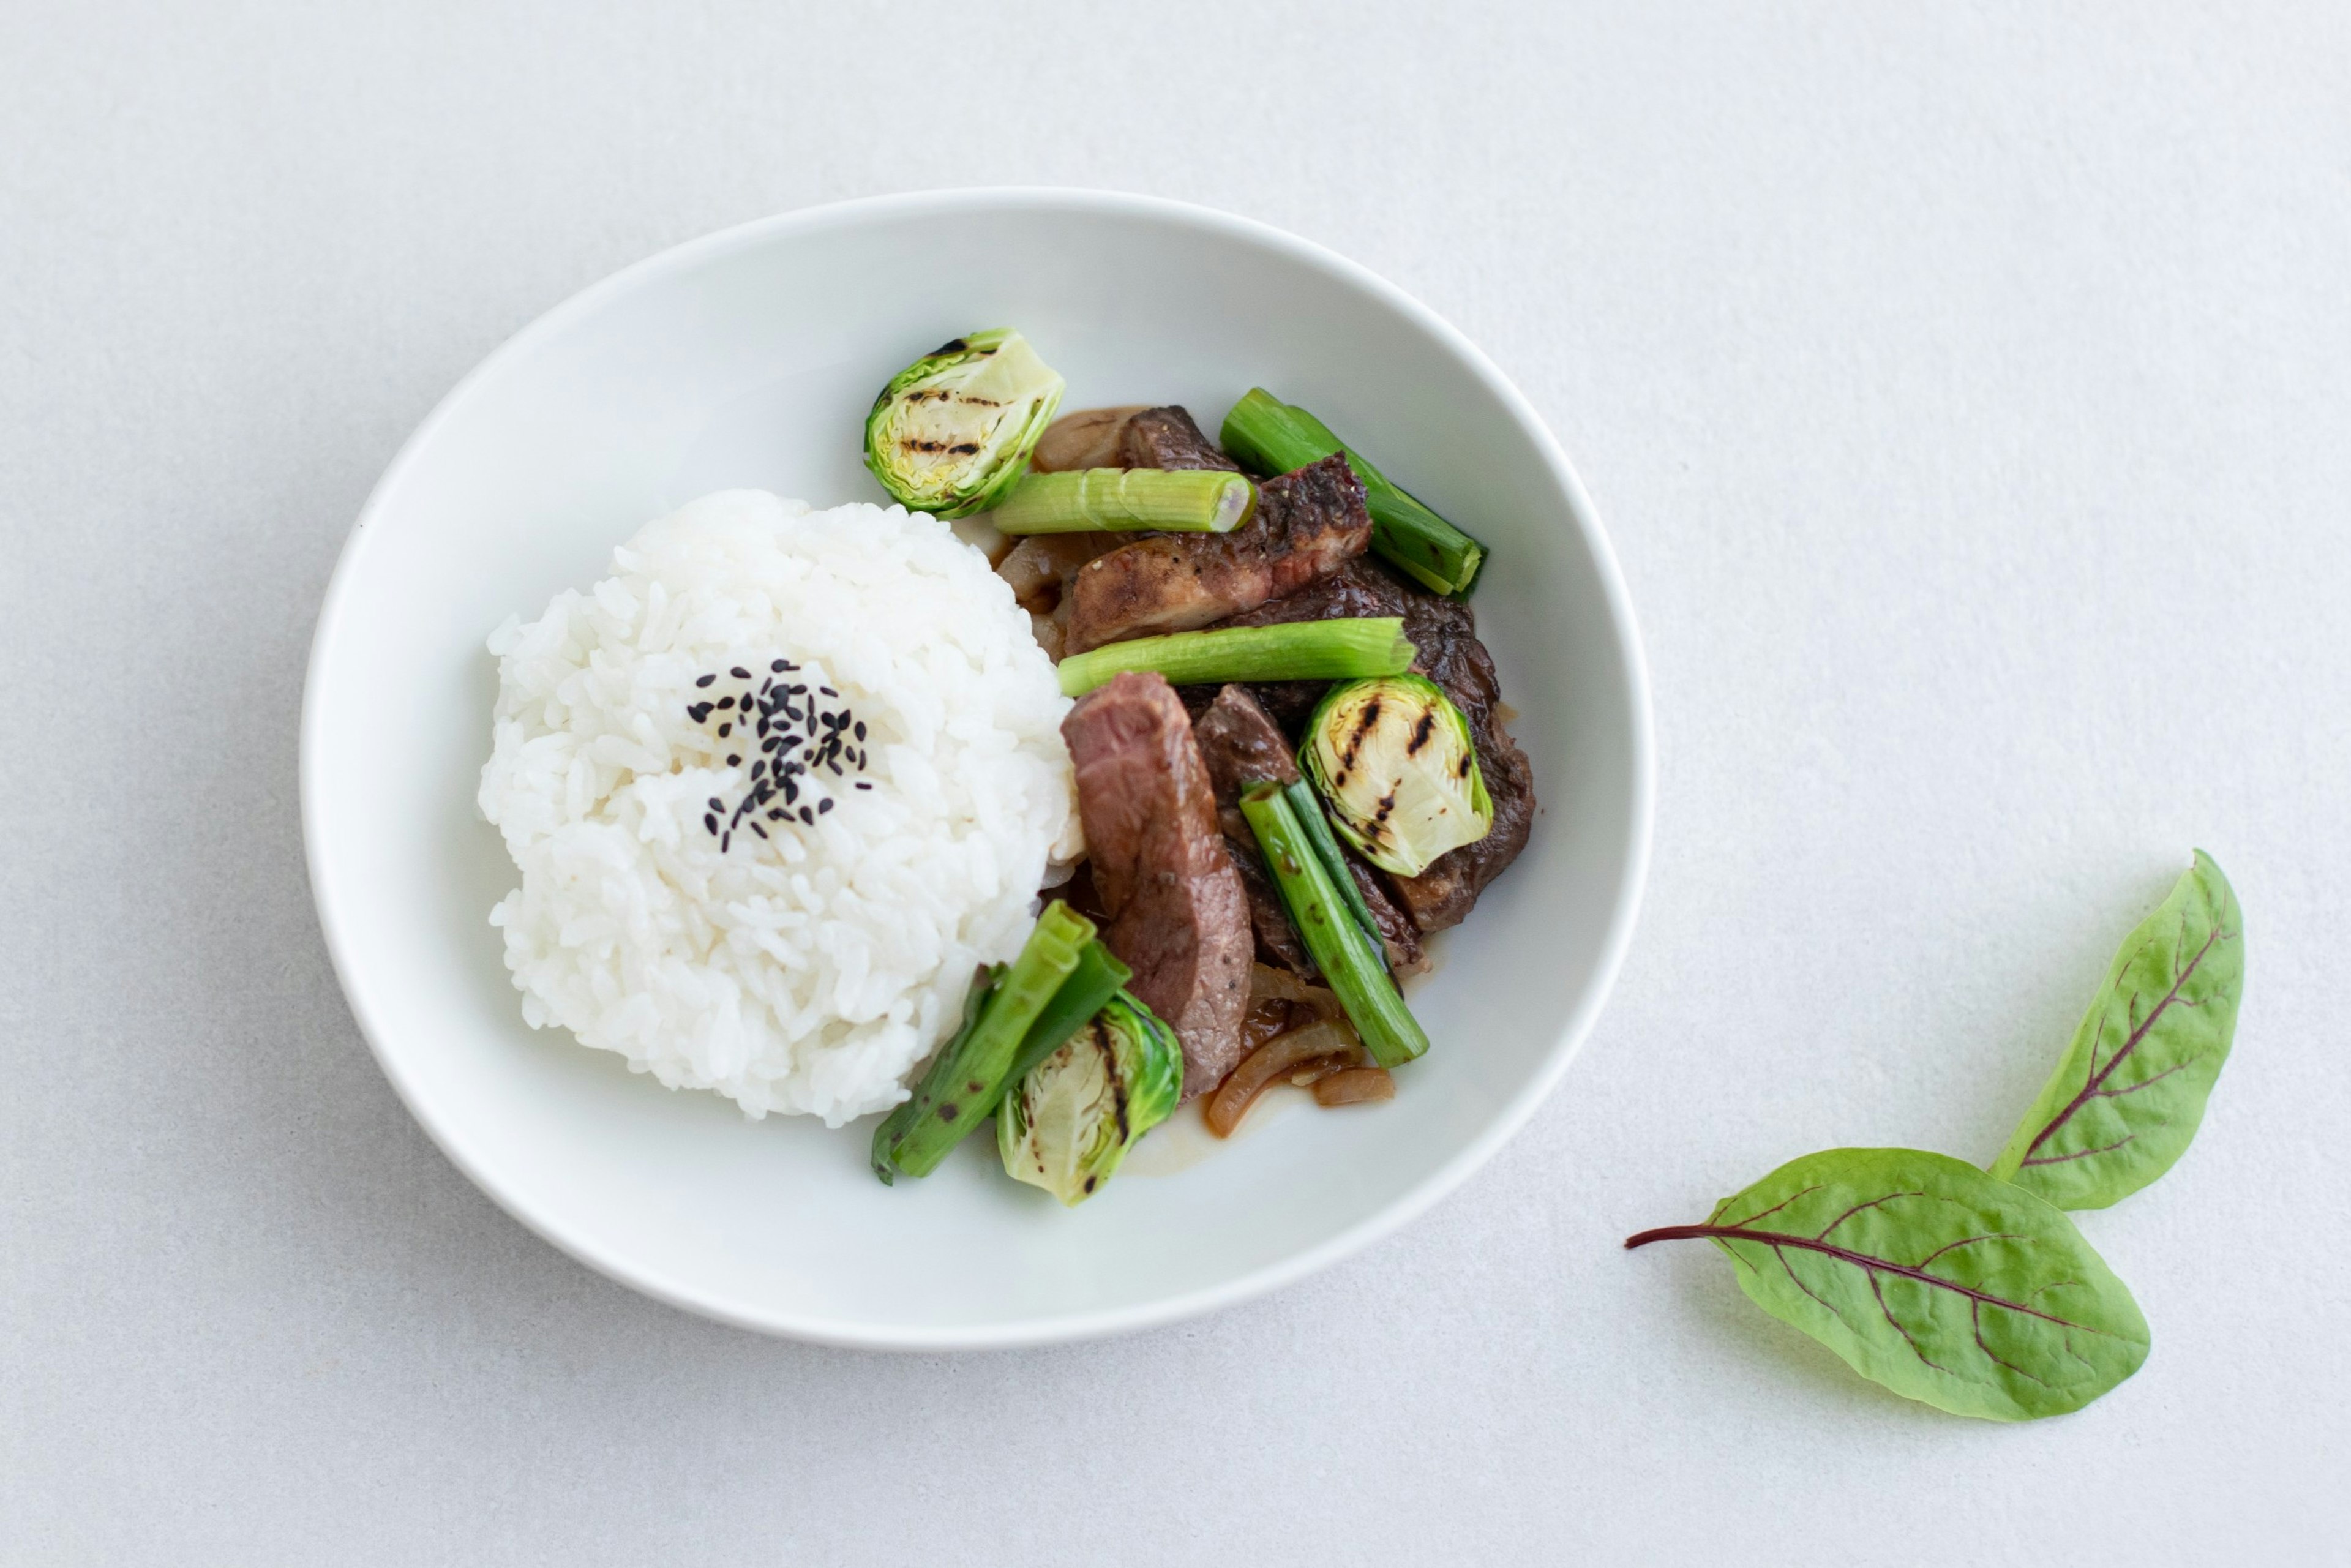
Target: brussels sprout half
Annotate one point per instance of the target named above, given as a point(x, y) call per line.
point(952, 432)
point(1394, 758)
point(1066, 1126)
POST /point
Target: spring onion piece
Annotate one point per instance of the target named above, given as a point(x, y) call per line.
point(952, 432)
point(1122, 500)
point(1309, 807)
point(1068, 1122)
point(1395, 759)
point(1269, 437)
point(1351, 963)
point(1301, 650)
point(1089, 988)
point(968, 1075)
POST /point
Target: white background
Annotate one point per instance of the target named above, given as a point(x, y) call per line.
point(1965, 389)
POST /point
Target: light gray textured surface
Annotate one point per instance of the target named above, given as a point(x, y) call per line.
point(1967, 394)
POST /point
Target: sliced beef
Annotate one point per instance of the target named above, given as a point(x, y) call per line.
point(1178, 917)
point(1307, 524)
point(1241, 746)
point(1278, 943)
point(1166, 438)
point(1446, 633)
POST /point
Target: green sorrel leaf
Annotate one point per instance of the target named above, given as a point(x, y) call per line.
point(1932, 1277)
point(2130, 1092)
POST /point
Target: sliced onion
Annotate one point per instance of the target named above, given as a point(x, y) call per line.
point(1269, 1062)
point(1355, 1086)
point(1088, 438)
point(1267, 982)
point(1048, 633)
point(1267, 1020)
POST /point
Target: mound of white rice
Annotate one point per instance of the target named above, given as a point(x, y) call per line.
point(812, 970)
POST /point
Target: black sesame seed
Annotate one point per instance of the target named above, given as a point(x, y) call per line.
point(758, 768)
point(739, 672)
point(724, 730)
point(717, 804)
point(709, 822)
point(724, 840)
point(780, 666)
point(827, 691)
point(862, 784)
point(735, 761)
point(706, 680)
point(726, 702)
point(808, 816)
point(861, 729)
point(758, 830)
point(775, 815)
point(822, 807)
point(791, 790)
point(698, 712)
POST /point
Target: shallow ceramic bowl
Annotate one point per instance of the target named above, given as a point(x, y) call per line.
point(749, 359)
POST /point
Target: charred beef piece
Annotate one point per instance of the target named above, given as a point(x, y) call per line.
point(1399, 932)
point(1178, 917)
point(1308, 525)
point(1446, 633)
point(1241, 746)
point(1166, 438)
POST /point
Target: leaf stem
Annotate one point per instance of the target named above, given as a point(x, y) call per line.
point(1670, 1233)
point(1775, 1240)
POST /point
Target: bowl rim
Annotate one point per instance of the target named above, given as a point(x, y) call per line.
point(1062, 1327)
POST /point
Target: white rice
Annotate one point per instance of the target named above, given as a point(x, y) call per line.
point(814, 970)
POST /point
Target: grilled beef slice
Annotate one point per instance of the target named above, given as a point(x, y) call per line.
point(1446, 633)
point(1178, 917)
point(1166, 438)
point(1307, 524)
point(1242, 745)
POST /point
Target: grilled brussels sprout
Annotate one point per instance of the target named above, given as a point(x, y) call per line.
point(1066, 1126)
point(953, 430)
point(1394, 758)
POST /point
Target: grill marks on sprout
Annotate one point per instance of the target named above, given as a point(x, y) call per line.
point(798, 732)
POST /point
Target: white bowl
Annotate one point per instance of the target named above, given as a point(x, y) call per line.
point(748, 357)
